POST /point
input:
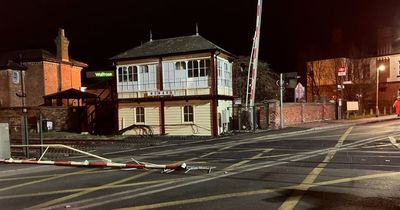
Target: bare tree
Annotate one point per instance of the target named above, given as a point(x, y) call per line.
point(266, 80)
point(322, 77)
point(358, 73)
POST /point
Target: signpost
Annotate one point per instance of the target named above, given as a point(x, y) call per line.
point(341, 72)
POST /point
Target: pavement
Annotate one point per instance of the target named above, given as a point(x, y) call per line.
point(332, 124)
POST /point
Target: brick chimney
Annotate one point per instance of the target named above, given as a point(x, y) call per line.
point(62, 45)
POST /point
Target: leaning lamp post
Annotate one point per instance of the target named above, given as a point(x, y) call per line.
point(379, 69)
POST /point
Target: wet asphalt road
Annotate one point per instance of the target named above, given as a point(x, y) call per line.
point(348, 168)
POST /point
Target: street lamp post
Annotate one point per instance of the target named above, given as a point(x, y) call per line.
point(380, 68)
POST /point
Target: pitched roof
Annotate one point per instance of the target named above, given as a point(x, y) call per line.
point(10, 64)
point(70, 94)
point(32, 55)
point(177, 45)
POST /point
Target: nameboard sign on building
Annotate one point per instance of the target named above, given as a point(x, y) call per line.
point(160, 93)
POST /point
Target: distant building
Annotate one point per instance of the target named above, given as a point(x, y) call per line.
point(358, 82)
point(176, 86)
point(28, 75)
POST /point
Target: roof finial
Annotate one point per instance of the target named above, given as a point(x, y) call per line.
point(197, 29)
point(151, 35)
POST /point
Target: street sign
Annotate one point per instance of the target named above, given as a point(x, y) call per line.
point(352, 105)
point(342, 71)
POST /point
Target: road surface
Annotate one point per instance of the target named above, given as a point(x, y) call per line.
point(354, 167)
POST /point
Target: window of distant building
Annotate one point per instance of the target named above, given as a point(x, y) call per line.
point(135, 74)
point(125, 74)
point(398, 72)
point(15, 77)
point(120, 74)
point(144, 69)
point(139, 114)
point(181, 65)
point(130, 74)
point(188, 114)
point(204, 67)
point(198, 68)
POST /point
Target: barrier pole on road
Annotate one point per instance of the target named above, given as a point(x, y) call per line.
point(98, 164)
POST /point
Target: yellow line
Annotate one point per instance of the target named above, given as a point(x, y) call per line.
point(257, 192)
point(93, 189)
point(292, 201)
point(109, 185)
point(43, 180)
point(86, 188)
point(236, 165)
point(59, 200)
point(209, 154)
point(394, 142)
point(52, 175)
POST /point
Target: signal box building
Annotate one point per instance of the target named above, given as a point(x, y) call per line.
point(175, 86)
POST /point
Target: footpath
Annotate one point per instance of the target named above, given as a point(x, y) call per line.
point(332, 124)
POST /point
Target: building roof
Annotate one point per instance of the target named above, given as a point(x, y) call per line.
point(170, 46)
point(33, 55)
point(70, 94)
point(10, 64)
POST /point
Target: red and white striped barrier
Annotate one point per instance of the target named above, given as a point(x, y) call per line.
point(97, 164)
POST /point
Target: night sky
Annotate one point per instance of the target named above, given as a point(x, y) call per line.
point(292, 31)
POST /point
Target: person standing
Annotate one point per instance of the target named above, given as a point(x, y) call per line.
point(396, 105)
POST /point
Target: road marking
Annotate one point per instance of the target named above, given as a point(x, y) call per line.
point(257, 192)
point(93, 189)
point(43, 180)
point(59, 200)
point(236, 165)
point(102, 200)
point(292, 201)
point(86, 188)
point(52, 175)
point(377, 146)
point(394, 142)
point(161, 146)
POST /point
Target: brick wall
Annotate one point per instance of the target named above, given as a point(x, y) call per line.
point(8, 89)
point(34, 83)
point(294, 113)
point(63, 118)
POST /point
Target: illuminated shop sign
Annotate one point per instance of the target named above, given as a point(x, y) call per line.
point(99, 74)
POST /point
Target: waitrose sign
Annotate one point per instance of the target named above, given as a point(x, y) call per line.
point(99, 74)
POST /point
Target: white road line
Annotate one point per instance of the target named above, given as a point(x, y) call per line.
point(394, 142)
point(101, 200)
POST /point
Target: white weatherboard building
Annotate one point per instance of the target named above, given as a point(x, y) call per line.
point(175, 86)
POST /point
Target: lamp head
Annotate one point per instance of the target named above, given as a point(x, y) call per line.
point(381, 68)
